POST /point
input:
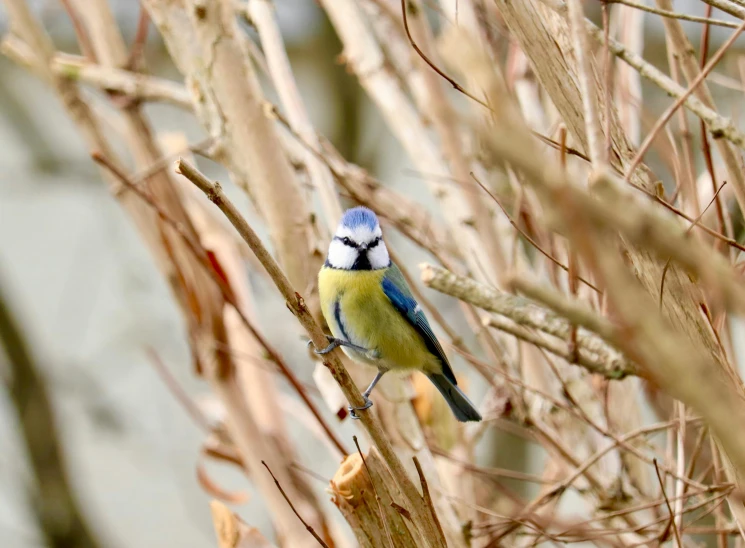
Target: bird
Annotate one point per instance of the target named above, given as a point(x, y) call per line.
point(373, 315)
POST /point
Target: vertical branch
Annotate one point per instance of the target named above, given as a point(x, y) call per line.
point(204, 41)
point(54, 503)
point(262, 15)
point(595, 141)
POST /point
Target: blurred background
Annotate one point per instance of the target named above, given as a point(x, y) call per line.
point(92, 302)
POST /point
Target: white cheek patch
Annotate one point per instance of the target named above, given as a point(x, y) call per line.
point(341, 256)
point(378, 256)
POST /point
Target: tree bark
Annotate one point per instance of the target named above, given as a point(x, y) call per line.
point(356, 488)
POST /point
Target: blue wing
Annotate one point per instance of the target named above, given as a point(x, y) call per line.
point(398, 292)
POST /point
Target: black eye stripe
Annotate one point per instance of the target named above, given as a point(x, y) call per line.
point(349, 243)
point(346, 241)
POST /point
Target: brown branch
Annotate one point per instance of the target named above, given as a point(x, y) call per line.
point(429, 62)
point(427, 496)
point(178, 392)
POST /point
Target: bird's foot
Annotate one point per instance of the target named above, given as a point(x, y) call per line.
point(334, 343)
point(352, 410)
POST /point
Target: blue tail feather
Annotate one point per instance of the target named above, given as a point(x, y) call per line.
point(461, 406)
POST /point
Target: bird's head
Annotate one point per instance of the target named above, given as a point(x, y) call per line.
point(358, 242)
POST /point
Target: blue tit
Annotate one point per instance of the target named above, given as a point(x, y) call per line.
point(373, 315)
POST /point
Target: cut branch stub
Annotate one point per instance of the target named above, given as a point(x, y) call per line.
point(353, 493)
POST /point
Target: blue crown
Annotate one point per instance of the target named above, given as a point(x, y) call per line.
point(359, 216)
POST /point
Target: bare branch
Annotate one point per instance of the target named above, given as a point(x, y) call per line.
point(54, 504)
point(595, 354)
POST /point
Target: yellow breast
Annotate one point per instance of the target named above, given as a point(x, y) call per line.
point(370, 320)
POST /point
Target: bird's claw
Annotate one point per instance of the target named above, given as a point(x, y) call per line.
point(334, 343)
point(355, 416)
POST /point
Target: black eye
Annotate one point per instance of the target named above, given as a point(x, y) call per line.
point(375, 242)
point(346, 241)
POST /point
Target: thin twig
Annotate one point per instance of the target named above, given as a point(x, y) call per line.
point(81, 34)
point(434, 67)
point(729, 241)
point(492, 472)
point(669, 509)
point(705, 146)
point(307, 526)
point(688, 230)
